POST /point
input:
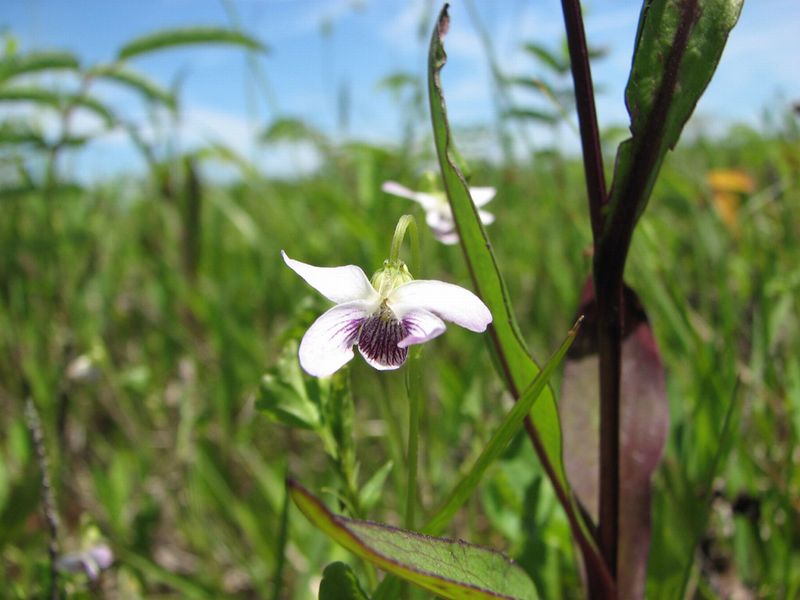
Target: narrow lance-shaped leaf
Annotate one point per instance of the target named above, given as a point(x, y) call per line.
point(678, 46)
point(448, 568)
point(517, 367)
point(188, 36)
point(643, 429)
point(148, 89)
point(509, 427)
point(33, 62)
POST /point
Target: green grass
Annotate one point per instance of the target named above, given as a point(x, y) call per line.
point(165, 453)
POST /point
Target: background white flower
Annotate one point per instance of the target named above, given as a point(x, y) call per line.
point(382, 322)
point(438, 215)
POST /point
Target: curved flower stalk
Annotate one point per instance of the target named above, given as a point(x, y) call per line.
point(383, 317)
point(438, 215)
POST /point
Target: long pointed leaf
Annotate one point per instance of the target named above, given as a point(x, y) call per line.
point(517, 367)
point(449, 568)
point(188, 36)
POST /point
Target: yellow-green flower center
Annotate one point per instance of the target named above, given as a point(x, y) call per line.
point(389, 278)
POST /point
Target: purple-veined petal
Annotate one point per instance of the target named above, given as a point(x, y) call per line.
point(422, 326)
point(427, 201)
point(379, 339)
point(328, 343)
point(482, 195)
point(445, 300)
point(337, 284)
point(487, 218)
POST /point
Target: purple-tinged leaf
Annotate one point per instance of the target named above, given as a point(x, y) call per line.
point(644, 423)
point(448, 568)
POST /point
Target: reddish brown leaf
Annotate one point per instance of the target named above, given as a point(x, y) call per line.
point(644, 423)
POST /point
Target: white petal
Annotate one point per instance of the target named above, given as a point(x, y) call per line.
point(482, 195)
point(439, 220)
point(443, 226)
point(448, 238)
point(445, 300)
point(422, 326)
point(337, 284)
point(427, 201)
point(328, 343)
point(487, 218)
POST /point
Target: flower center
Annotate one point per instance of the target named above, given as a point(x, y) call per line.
point(380, 333)
point(390, 277)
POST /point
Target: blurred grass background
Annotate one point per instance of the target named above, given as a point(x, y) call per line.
point(140, 313)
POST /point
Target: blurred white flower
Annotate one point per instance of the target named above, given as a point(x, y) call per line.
point(92, 561)
point(382, 317)
point(83, 369)
point(438, 215)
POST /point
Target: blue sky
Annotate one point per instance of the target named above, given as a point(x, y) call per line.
point(365, 40)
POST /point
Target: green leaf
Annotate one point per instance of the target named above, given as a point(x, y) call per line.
point(531, 114)
point(20, 133)
point(283, 395)
point(148, 89)
point(288, 129)
point(188, 36)
point(511, 425)
point(678, 46)
point(371, 491)
point(515, 364)
point(58, 101)
point(33, 62)
point(62, 190)
point(546, 57)
point(449, 568)
point(340, 583)
point(396, 82)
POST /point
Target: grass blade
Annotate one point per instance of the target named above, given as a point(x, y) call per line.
point(509, 427)
point(33, 62)
point(188, 36)
point(145, 87)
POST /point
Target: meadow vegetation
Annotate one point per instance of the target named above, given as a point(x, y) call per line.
point(141, 314)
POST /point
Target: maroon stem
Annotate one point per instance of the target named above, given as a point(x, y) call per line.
point(609, 338)
point(587, 114)
point(609, 292)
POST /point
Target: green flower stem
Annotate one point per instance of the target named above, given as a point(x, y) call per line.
point(406, 223)
point(395, 432)
point(414, 388)
point(413, 371)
